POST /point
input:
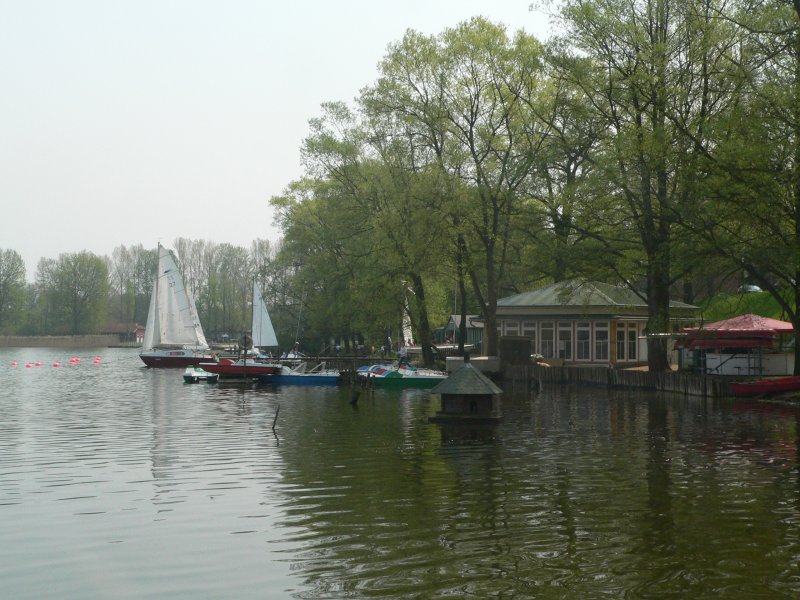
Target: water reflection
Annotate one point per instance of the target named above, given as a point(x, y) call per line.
point(571, 490)
point(577, 492)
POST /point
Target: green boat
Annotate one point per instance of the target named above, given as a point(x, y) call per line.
point(404, 376)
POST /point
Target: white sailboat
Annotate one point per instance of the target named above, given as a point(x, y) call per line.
point(173, 336)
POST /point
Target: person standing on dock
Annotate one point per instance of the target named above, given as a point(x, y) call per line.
point(403, 354)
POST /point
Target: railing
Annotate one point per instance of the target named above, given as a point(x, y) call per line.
point(690, 384)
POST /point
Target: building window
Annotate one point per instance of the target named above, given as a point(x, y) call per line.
point(565, 341)
point(546, 333)
point(601, 341)
point(529, 331)
point(633, 342)
point(512, 328)
point(627, 341)
point(621, 341)
point(583, 341)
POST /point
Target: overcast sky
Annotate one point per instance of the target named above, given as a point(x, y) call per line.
point(141, 121)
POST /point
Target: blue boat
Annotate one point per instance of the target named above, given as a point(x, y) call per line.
point(299, 375)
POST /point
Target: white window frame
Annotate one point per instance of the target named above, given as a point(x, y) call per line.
point(529, 331)
point(547, 326)
point(621, 342)
point(584, 327)
point(601, 327)
point(633, 341)
point(565, 343)
point(511, 327)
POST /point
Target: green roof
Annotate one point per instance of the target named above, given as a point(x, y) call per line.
point(466, 381)
point(581, 293)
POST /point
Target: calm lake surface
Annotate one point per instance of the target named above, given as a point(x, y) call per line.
point(118, 481)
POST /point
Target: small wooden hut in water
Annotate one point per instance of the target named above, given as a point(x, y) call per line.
point(468, 396)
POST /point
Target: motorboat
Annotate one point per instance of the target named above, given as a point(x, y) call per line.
point(399, 375)
point(196, 375)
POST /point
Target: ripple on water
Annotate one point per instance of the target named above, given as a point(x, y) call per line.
point(110, 471)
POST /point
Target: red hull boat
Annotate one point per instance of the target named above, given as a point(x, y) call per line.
point(228, 369)
point(173, 358)
point(778, 385)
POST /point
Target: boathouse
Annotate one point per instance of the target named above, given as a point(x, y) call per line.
point(450, 334)
point(747, 344)
point(467, 396)
point(578, 322)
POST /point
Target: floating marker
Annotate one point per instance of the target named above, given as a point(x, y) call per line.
point(13, 363)
point(38, 363)
point(56, 364)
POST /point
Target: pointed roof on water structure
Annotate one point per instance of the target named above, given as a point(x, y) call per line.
point(744, 331)
point(750, 322)
point(467, 381)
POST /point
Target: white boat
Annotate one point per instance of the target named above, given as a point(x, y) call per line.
point(262, 335)
point(399, 375)
point(196, 375)
point(173, 336)
point(302, 375)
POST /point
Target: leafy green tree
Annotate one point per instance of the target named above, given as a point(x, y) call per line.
point(80, 292)
point(463, 98)
point(12, 290)
point(753, 162)
point(654, 72)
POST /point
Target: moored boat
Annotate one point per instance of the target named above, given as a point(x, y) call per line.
point(392, 375)
point(777, 385)
point(298, 375)
point(240, 369)
point(262, 335)
point(173, 335)
point(196, 375)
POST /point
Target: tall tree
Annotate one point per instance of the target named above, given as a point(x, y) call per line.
point(754, 161)
point(464, 94)
point(80, 292)
point(12, 289)
point(651, 70)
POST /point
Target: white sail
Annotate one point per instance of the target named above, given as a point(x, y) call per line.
point(262, 331)
point(149, 341)
point(172, 318)
point(408, 334)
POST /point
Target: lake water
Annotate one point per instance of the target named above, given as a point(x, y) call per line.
point(118, 481)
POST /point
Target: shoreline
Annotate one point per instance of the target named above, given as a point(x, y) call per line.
point(63, 341)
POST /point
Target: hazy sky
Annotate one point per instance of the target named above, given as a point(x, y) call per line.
point(139, 121)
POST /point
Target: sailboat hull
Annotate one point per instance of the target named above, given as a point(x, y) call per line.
point(174, 358)
point(228, 369)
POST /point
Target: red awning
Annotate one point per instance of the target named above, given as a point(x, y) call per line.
point(751, 323)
